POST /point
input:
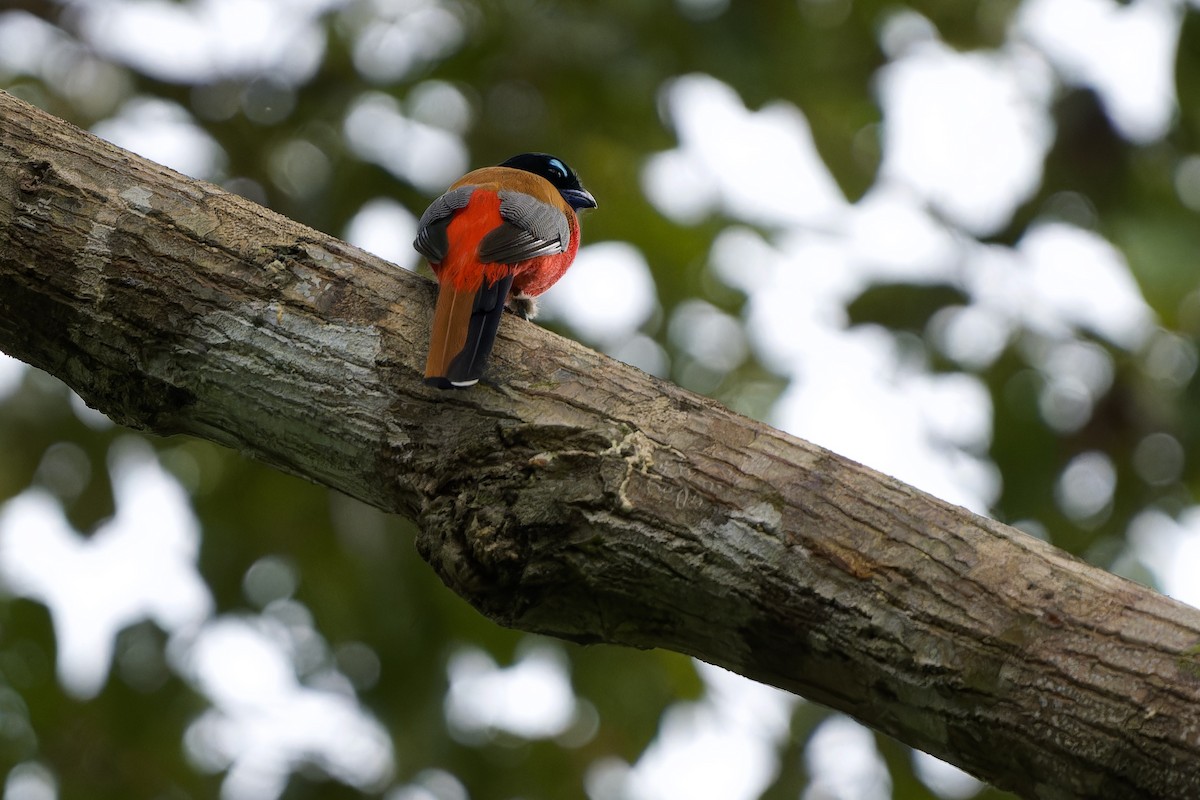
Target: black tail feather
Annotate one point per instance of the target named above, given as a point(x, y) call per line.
point(466, 368)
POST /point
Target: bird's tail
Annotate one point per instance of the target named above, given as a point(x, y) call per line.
point(464, 330)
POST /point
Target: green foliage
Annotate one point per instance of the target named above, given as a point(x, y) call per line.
point(585, 80)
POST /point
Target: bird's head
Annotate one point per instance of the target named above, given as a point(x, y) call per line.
point(556, 171)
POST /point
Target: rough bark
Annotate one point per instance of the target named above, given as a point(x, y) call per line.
point(579, 497)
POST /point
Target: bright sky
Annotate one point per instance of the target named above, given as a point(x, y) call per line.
point(963, 139)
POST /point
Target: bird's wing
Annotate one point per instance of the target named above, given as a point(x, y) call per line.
point(530, 228)
point(432, 240)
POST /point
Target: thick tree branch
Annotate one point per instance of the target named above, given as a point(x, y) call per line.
point(578, 497)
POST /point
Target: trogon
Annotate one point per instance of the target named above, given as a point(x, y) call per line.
point(498, 237)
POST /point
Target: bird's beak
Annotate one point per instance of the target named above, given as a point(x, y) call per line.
point(578, 198)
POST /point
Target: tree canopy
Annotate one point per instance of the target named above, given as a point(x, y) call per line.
point(949, 241)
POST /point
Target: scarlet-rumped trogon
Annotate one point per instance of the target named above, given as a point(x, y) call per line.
point(499, 236)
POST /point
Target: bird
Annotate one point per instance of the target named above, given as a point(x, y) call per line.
point(499, 237)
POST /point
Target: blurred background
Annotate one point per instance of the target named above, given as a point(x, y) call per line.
point(955, 241)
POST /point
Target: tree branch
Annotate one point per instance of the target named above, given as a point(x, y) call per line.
point(579, 497)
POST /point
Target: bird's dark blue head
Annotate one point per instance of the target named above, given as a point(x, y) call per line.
point(556, 171)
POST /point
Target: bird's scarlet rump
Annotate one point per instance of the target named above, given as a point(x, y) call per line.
point(498, 237)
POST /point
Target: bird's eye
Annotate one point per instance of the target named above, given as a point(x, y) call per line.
point(557, 168)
